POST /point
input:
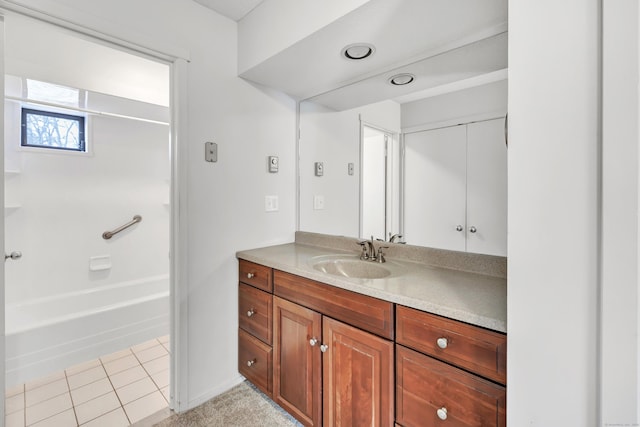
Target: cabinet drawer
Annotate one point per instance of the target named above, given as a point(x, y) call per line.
point(255, 361)
point(470, 347)
point(256, 275)
point(426, 387)
point(361, 311)
point(255, 312)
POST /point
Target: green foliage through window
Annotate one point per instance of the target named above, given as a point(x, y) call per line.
point(46, 129)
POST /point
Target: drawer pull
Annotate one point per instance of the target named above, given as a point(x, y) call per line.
point(250, 363)
point(442, 342)
point(251, 312)
point(250, 275)
point(442, 413)
point(313, 342)
point(324, 348)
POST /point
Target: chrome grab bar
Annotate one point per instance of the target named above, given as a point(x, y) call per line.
point(109, 234)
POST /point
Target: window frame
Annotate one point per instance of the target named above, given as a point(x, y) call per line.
point(82, 130)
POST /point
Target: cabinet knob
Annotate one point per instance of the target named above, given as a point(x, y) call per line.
point(442, 413)
point(250, 363)
point(472, 229)
point(459, 227)
point(324, 348)
point(251, 312)
point(250, 275)
point(313, 341)
point(442, 342)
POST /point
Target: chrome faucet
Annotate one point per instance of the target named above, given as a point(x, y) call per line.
point(369, 251)
point(397, 236)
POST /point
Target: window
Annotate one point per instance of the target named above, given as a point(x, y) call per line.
point(58, 131)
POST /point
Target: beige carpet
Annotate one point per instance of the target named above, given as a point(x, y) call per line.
point(242, 406)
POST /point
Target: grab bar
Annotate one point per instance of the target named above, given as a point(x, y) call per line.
point(109, 234)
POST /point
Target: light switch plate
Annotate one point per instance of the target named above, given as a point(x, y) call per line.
point(210, 152)
point(350, 168)
point(270, 203)
point(319, 168)
point(274, 162)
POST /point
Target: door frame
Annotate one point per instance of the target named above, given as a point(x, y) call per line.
point(177, 61)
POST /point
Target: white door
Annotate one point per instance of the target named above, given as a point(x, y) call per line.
point(487, 188)
point(374, 183)
point(435, 188)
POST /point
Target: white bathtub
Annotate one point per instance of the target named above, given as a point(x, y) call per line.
point(49, 334)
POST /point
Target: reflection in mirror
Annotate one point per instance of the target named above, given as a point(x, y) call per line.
point(380, 183)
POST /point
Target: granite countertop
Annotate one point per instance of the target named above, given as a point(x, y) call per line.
point(470, 297)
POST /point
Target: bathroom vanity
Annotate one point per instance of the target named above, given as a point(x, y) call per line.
point(339, 341)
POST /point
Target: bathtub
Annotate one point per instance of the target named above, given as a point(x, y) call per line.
point(47, 335)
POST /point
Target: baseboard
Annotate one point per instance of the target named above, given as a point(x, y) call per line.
point(210, 394)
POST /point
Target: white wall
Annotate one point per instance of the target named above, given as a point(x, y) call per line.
point(488, 100)
point(67, 200)
point(225, 199)
point(553, 205)
point(333, 137)
point(620, 322)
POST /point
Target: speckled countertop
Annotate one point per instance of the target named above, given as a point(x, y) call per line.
point(470, 297)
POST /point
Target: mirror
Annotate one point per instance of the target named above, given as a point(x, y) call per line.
point(423, 184)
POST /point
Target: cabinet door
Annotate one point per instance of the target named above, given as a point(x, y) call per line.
point(358, 385)
point(297, 364)
point(487, 188)
point(435, 188)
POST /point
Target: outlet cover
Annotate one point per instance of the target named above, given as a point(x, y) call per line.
point(318, 203)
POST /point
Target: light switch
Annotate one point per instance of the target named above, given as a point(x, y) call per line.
point(210, 152)
point(350, 168)
point(273, 164)
point(319, 168)
point(318, 203)
point(270, 203)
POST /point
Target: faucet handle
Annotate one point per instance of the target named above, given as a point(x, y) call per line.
point(363, 245)
point(380, 255)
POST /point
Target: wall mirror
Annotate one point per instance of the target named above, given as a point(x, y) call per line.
point(426, 160)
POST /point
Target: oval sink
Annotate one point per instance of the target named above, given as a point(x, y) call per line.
point(353, 268)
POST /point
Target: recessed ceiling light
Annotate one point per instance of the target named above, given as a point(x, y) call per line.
point(358, 51)
point(402, 79)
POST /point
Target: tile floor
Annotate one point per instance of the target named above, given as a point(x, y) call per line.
point(115, 390)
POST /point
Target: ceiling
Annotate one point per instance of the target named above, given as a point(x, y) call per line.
point(458, 39)
point(233, 9)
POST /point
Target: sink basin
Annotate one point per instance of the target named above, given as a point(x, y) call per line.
point(351, 267)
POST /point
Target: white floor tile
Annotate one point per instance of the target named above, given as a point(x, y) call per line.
point(121, 364)
point(145, 406)
point(151, 353)
point(44, 380)
point(127, 377)
point(48, 408)
point(63, 419)
point(136, 390)
point(86, 377)
point(157, 365)
point(115, 418)
point(97, 407)
point(46, 392)
point(91, 391)
point(144, 345)
point(15, 419)
point(76, 369)
point(14, 403)
point(117, 355)
point(161, 378)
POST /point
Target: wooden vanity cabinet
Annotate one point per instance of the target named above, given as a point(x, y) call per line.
point(429, 390)
point(327, 372)
point(255, 334)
